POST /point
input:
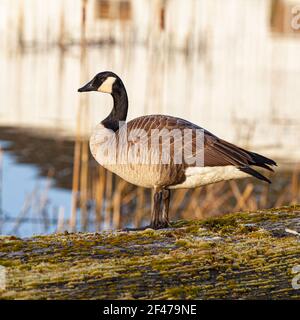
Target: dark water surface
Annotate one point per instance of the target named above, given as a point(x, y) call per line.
point(36, 176)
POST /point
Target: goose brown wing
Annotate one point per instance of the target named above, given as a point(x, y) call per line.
point(218, 152)
point(215, 151)
point(172, 128)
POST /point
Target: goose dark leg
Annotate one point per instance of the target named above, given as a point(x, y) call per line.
point(165, 214)
point(155, 219)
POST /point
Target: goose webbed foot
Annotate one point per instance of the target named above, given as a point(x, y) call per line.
point(161, 224)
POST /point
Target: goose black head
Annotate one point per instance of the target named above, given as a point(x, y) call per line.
point(106, 82)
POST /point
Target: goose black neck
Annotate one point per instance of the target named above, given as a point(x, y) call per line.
point(119, 112)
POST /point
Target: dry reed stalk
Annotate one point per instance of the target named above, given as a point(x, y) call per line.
point(179, 196)
point(130, 196)
point(92, 186)
point(117, 204)
point(286, 193)
point(295, 185)
point(263, 199)
point(193, 203)
point(220, 200)
point(75, 180)
point(252, 203)
point(241, 201)
point(95, 194)
point(108, 198)
point(140, 206)
point(20, 27)
point(1, 182)
point(61, 37)
point(60, 219)
point(213, 198)
point(209, 198)
point(197, 210)
point(116, 214)
point(77, 151)
point(235, 190)
point(43, 199)
point(84, 185)
point(24, 211)
point(84, 119)
point(101, 181)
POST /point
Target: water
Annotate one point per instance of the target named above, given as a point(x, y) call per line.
point(30, 201)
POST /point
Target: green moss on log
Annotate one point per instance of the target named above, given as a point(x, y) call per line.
point(241, 255)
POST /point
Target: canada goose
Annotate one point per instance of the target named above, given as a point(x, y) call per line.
point(128, 150)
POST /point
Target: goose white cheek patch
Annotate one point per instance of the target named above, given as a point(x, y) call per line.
point(106, 86)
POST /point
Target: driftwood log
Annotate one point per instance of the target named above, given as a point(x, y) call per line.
point(238, 256)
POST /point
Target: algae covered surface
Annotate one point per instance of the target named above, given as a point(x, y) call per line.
point(238, 256)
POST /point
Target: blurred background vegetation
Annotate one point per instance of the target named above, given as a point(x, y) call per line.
point(230, 66)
